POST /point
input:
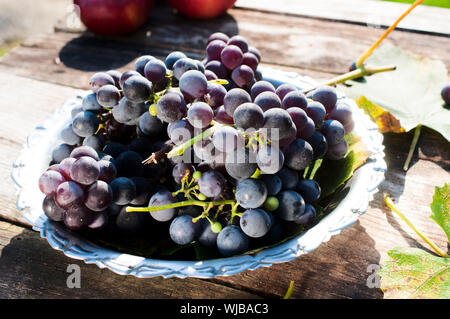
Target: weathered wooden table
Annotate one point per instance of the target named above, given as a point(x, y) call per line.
point(37, 77)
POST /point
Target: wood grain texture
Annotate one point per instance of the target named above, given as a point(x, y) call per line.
point(30, 269)
point(37, 77)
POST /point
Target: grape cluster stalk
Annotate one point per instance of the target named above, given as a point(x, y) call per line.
point(208, 148)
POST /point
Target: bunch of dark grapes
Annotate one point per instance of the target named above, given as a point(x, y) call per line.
point(221, 164)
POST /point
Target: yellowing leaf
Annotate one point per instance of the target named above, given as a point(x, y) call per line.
point(414, 273)
point(385, 120)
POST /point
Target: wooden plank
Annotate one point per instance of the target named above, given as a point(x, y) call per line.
point(29, 268)
point(368, 12)
point(309, 45)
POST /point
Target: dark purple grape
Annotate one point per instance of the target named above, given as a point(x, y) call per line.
point(49, 182)
point(241, 163)
point(99, 220)
point(349, 127)
point(193, 84)
point(273, 183)
point(239, 41)
point(78, 217)
point(231, 57)
point(206, 236)
point(211, 183)
point(226, 139)
point(155, 71)
point(200, 114)
point(243, 76)
point(124, 190)
point(114, 149)
point(141, 62)
point(218, 36)
point(298, 155)
point(256, 223)
point(137, 89)
point(144, 190)
point(54, 167)
point(97, 142)
point(129, 164)
point(216, 94)
point(65, 166)
point(250, 60)
point(218, 68)
point(150, 125)
point(259, 87)
point(308, 130)
point(90, 103)
point(284, 89)
point(174, 57)
point(85, 123)
point(205, 150)
point(108, 96)
point(108, 171)
point(69, 193)
point(210, 75)
point(130, 222)
point(337, 151)
point(85, 170)
point(291, 136)
point(298, 116)
point(163, 197)
point(84, 151)
point(52, 210)
point(100, 79)
point(269, 159)
point(128, 112)
point(319, 144)
point(268, 100)
point(98, 196)
point(291, 205)
point(68, 136)
point(171, 108)
point(256, 52)
point(277, 122)
point(342, 113)
point(180, 131)
point(214, 49)
point(308, 216)
point(116, 77)
point(232, 241)
point(222, 117)
point(126, 75)
point(316, 111)
point(289, 178)
point(294, 99)
point(248, 116)
point(79, 109)
point(325, 95)
point(182, 170)
point(234, 98)
point(251, 193)
point(309, 189)
point(333, 131)
point(183, 65)
point(182, 230)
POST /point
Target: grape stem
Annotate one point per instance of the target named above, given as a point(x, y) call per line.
point(369, 51)
point(159, 155)
point(179, 150)
point(412, 147)
point(391, 205)
point(360, 72)
point(180, 204)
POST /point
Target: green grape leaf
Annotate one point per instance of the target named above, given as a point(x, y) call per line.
point(414, 273)
point(440, 208)
point(411, 93)
point(331, 174)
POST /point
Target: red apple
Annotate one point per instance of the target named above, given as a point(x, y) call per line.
point(202, 9)
point(114, 17)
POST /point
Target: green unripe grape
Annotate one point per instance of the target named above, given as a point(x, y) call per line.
point(271, 203)
point(216, 227)
point(197, 175)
